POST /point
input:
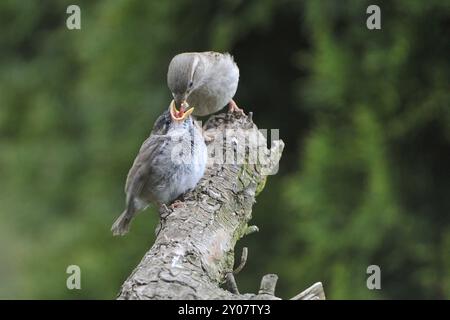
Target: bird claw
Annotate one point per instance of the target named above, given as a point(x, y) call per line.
point(232, 107)
point(176, 204)
point(208, 136)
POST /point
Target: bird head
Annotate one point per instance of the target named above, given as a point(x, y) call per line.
point(184, 75)
point(172, 119)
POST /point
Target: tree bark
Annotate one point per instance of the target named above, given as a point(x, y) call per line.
point(193, 255)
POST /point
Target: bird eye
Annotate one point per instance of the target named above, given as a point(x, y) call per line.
point(191, 83)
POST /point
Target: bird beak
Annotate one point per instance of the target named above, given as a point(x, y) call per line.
point(182, 114)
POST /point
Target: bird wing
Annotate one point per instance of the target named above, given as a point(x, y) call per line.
point(141, 168)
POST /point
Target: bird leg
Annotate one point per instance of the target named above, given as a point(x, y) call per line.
point(232, 107)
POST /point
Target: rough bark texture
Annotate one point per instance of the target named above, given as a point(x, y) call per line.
point(193, 254)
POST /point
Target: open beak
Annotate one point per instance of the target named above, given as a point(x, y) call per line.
point(182, 114)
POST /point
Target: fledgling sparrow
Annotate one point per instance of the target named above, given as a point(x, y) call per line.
point(170, 162)
point(204, 80)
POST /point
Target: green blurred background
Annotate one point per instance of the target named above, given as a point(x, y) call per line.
point(365, 177)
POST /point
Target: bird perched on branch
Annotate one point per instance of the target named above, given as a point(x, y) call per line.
point(204, 80)
point(170, 163)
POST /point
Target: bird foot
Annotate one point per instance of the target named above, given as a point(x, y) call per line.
point(208, 136)
point(176, 204)
point(232, 107)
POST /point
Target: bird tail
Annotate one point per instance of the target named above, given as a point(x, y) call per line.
point(122, 225)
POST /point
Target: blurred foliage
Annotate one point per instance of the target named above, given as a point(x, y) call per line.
point(365, 178)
